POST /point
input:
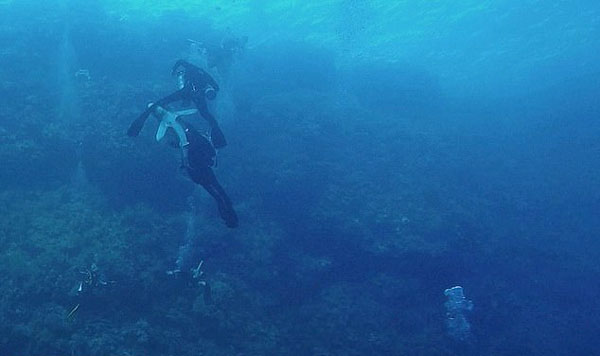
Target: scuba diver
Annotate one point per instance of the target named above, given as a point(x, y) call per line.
point(221, 56)
point(89, 287)
point(198, 156)
point(195, 85)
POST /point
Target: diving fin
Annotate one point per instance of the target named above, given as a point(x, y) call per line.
point(136, 126)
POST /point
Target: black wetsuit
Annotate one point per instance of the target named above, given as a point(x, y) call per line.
point(201, 159)
point(196, 80)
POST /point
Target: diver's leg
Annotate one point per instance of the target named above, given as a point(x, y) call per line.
point(202, 177)
point(216, 135)
point(225, 210)
point(220, 191)
point(207, 179)
point(224, 203)
point(178, 95)
point(212, 186)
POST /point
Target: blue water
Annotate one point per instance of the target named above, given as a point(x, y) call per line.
point(379, 153)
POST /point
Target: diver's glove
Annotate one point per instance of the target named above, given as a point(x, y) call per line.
point(217, 138)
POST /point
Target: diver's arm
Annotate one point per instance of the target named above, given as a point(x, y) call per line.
point(185, 161)
point(185, 112)
point(184, 144)
point(180, 131)
point(178, 95)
